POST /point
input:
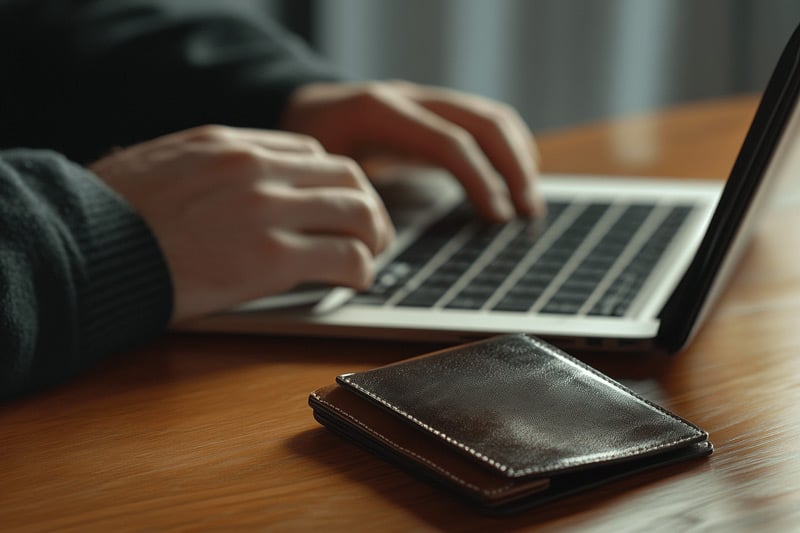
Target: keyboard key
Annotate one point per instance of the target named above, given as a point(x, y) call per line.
point(422, 297)
point(562, 306)
point(465, 301)
point(516, 303)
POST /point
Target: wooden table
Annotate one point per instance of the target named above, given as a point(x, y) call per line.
point(213, 432)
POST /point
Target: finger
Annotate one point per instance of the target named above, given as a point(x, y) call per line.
point(503, 137)
point(328, 211)
point(329, 171)
point(416, 130)
point(330, 259)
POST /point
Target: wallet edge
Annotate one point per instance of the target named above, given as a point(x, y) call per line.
point(501, 501)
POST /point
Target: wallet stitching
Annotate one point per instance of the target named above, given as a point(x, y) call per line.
point(561, 465)
point(417, 456)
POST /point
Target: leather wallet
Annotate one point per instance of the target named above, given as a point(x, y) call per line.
point(507, 423)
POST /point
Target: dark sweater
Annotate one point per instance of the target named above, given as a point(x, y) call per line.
point(81, 275)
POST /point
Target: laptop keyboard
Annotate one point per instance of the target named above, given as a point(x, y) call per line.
point(583, 258)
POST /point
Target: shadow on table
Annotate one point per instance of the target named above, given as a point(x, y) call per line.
point(445, 511)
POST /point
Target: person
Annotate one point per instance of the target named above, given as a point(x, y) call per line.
point(163, 160)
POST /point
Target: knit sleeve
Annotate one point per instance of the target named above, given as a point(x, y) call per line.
point(81, 275)
point(91, 75)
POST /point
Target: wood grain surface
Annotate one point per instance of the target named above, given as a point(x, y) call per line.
point(212, 432)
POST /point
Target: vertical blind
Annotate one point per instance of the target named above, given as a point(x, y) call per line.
point(561, 62)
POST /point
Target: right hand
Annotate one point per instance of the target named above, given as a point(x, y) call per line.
point(241, 214)
point(485, 144)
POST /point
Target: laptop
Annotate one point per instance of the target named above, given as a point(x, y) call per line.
point(618, 264)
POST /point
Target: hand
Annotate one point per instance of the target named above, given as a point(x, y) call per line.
point(241, 214)
point(485, 144)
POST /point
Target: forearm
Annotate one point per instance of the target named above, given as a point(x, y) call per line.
point(81, 276)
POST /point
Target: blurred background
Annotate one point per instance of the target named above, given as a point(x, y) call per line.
point(559, 62)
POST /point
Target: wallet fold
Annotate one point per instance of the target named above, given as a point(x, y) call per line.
point(507, 423)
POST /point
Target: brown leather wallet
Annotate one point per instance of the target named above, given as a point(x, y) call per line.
point(508, 423)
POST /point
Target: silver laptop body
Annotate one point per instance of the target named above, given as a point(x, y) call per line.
point(422, 198)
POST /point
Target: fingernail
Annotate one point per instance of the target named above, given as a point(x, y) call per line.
point(503, 208)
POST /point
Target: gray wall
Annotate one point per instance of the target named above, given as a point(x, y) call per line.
point(562, 62)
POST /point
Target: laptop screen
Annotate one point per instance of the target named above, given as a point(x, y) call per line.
point(767, 152)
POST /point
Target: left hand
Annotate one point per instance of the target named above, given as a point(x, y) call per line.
point(240, 214)
point(483, 143)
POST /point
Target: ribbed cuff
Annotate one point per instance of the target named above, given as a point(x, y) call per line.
point(126, 294)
